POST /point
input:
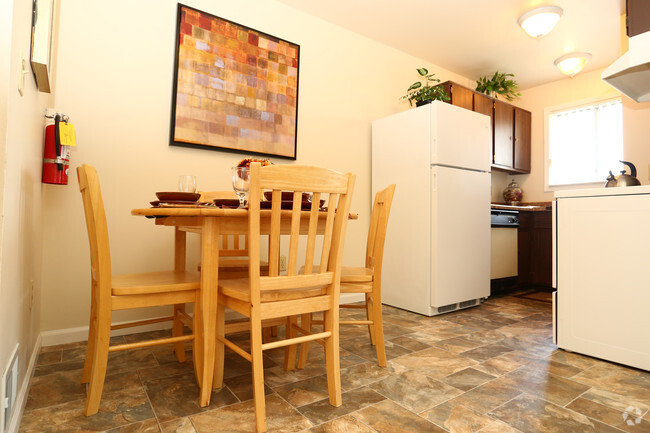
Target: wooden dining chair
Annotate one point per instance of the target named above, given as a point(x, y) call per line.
point(275, 296)
point(119, 292)
point(365, 279)
point(233, 249)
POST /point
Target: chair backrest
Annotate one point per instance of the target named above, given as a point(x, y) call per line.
point(100, 254)
point(322, 183)
point(377, 229)
point(229, 245)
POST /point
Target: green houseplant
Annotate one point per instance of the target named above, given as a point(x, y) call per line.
point(423, 93)
point(499, 84)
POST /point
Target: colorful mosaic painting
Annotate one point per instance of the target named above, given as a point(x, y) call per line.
point(234, 88)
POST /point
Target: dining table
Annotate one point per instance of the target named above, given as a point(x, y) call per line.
point(212, 222)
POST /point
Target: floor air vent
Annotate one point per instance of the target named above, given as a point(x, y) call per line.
point(446, 308)
point(467, 303)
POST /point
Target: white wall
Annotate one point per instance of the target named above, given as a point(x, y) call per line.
point(636, 121)
point(114, 79)
point(21, 149)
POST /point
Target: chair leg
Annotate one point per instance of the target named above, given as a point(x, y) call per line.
point(258, 372)
point(220, 348)
point(92, 341)
point(369, 308)
point(177, 331)
point(331, 323)
point(305, 323)
point(291, 350)
point(98, 369)
point(378, 326)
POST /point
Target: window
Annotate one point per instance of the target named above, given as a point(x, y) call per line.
point(584, 142)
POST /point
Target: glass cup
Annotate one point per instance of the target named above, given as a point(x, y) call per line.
point(240, 183)
point(187, 183)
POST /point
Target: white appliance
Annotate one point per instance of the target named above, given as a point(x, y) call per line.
point(631, 73)
point(437, 251)
point(601, 273)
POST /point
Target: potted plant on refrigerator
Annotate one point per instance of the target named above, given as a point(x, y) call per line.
point(422, 92)
point(499, 84)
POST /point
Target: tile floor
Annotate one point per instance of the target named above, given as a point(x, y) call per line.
point(489, 369)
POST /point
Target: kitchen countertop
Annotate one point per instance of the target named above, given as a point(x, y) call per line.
point(530, 206)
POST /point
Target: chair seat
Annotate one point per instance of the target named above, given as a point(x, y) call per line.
point(350, 274)
point(154, 282)
point(356, 287)
point(240, 289)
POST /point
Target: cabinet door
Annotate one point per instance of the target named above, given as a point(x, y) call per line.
point(638, 17)
point(503, 129)
point(485, 105)
point(462, 97)
point(522, 140)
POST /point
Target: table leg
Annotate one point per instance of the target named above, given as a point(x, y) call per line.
point(208, 305)
point(180, 249)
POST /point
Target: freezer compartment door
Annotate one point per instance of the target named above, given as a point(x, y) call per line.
point(459, 137)
point(460, 236)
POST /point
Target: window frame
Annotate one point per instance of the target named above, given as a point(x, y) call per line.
point(564, 107)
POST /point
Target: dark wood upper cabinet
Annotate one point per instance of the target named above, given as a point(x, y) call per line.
point(511, 133)
point(638, 17)
point(460, 96)
point(503, 130)
point(522, 140)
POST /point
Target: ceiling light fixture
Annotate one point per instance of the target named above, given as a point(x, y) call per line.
point(540, 21)
point(572, 63)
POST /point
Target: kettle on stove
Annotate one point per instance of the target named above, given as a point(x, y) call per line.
point(623, 179)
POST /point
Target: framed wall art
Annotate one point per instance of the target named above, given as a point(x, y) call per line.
point(235, 88)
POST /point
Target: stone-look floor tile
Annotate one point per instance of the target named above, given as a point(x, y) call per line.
point(166, 370)
point(456, 418)
point(361, 346)
point(364, 374)
point(410, 343)
point(55, 389)
point(346, 424)
point(619, 380)
point(148, 426)
point(116, 409)
point(596, 411)
point(485, 337)
point(321, 411)
point(458, 344)
point(467, 379)
point(281, 417)
point(242, 386)
point(434, 362)
point(305, 391)
point(484, 353)
point(44, 370)
point(178, 396)
point(389, 417)
point(574, 359)
point(484, 398)
point(390, 320)
point(179, 425)
point(555, 389)
point(499, 365)
point(129, 360)
point(499, 427)
point(478, 323)
point(615, 401)
point(77, 351)
point(415, 390)
point(45, 358)
point(446, 330)
point(534, 415)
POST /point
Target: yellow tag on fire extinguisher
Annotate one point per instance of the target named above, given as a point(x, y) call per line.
point(66, 134)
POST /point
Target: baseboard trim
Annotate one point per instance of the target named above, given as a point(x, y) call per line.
point(21, 398)
point(80, 333)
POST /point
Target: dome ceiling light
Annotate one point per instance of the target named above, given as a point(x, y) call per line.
point(540, 21)
point(572, 63)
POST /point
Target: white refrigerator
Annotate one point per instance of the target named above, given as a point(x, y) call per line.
point(437, 251)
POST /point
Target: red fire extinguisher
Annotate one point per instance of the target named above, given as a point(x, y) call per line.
point(56, 157)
